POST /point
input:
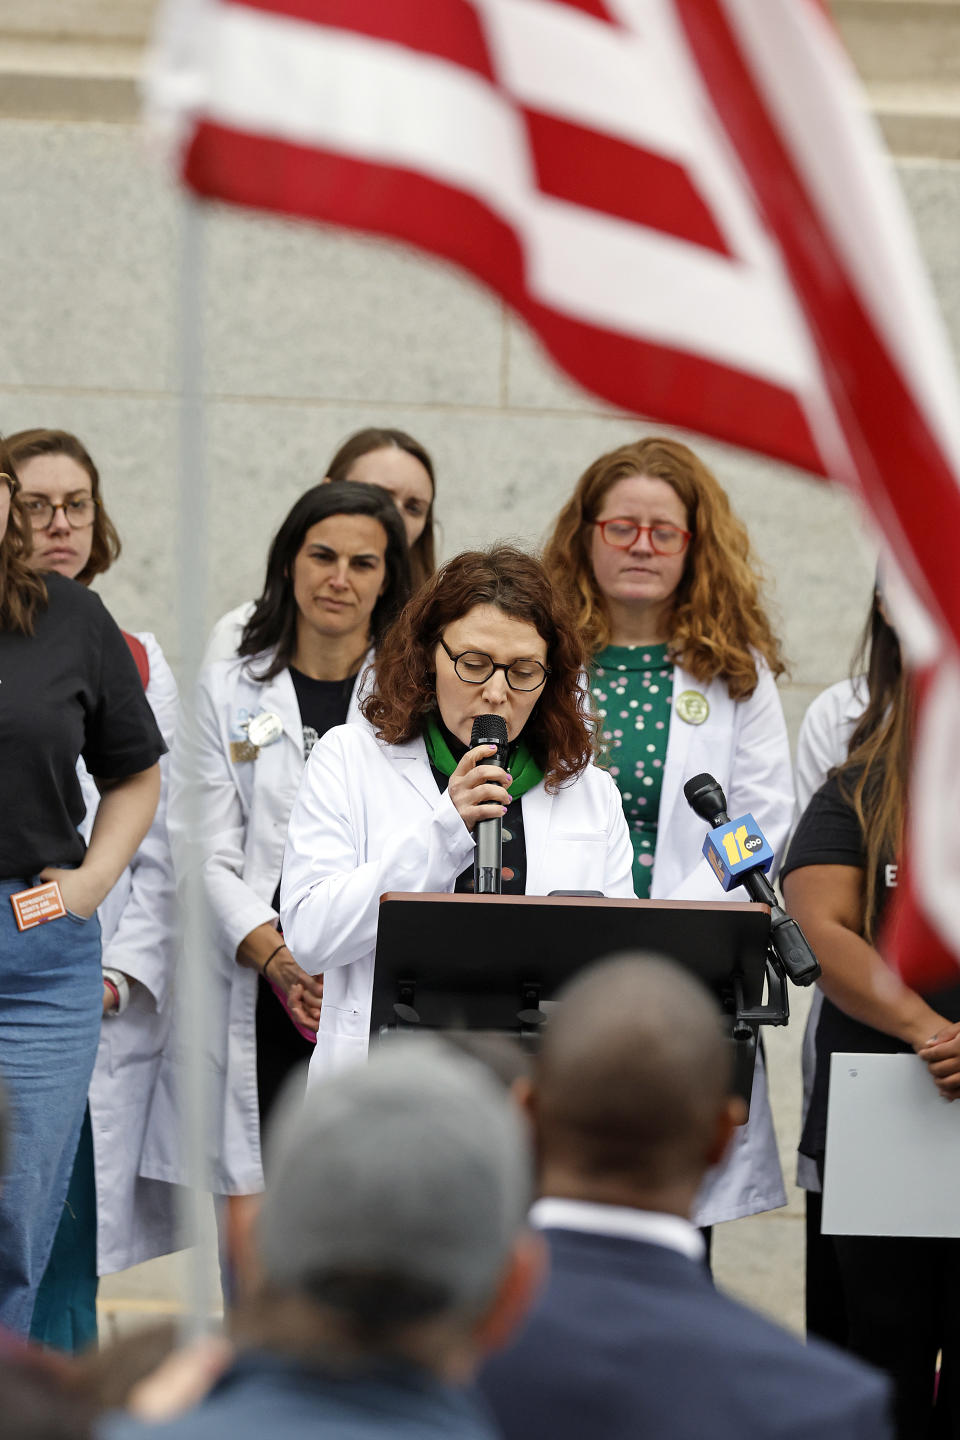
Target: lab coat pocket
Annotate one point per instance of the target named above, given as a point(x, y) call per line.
point(341, 1020)
point(576, 861)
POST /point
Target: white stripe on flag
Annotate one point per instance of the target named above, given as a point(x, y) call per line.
point(386, 104)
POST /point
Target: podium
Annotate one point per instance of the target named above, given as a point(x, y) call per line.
point(492, 962)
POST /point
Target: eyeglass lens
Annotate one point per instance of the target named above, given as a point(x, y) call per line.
point(79, 511)
point(474, 667)
point(664, 539)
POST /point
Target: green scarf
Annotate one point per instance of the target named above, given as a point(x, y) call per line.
point(524, 769)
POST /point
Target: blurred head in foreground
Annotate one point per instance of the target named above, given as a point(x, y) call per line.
point(394, 1225)
point(631, 1098)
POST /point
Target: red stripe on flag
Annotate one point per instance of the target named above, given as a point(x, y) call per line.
point(919, 953)
point(448, 29)
point(903, 471)
point(677, 387)
point(590, 7)
point(616, 176)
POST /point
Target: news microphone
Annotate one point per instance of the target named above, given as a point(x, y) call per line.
point(738, 854)
point(488, 834)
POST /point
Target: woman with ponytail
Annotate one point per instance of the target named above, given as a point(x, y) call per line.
point(838, 879)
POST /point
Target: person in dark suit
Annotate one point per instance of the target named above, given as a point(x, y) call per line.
point(629, 1340)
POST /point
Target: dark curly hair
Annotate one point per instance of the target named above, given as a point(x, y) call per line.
point(558, 731)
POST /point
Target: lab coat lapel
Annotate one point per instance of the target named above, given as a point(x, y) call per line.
point(676, 765)
point(412, 763)
point(278, 697)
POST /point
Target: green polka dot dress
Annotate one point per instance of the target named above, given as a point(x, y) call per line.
point(632, 689)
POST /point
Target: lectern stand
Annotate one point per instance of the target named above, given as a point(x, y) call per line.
point(491, 962)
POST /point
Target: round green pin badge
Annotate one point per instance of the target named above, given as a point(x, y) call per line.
point(692, 707)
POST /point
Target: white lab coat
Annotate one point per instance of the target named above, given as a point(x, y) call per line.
point(369, 818)
point(743, 744)
point(825, 733)
point(136, 1217)
point(227, 633)
point(822, 744)
point(244, 809)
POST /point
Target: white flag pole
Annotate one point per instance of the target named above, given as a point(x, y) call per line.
point(193, 976)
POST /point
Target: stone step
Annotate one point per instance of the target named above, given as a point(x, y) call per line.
point(76, 79)
point(902, 41)
point(919, 122)
point(80, 60)
point(93, 20)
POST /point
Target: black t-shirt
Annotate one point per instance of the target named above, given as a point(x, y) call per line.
point(829, 834)
point(71, 688)
point(323, 704)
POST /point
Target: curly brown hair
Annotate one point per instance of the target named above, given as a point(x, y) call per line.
point(27, 445)
point(558, 731)
point(719, 624)
point(21, 589)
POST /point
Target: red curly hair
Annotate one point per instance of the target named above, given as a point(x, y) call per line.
point(404, 697)
point(719, 624)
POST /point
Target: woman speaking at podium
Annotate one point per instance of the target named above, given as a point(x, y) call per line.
point(395, 807)
point(683, 659)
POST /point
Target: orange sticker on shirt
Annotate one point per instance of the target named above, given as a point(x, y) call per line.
point(37, 905)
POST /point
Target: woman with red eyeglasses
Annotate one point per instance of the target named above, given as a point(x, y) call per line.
point(683, 677)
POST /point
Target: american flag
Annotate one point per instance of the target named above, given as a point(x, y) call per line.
point(686, 201)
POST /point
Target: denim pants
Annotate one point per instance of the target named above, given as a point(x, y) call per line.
point(51, 1000)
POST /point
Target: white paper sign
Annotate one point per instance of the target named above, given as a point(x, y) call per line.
point(893, 1150)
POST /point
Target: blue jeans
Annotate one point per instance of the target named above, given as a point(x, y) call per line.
point(65, 1313)
point(51, 1001)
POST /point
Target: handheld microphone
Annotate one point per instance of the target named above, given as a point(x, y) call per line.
point(488, 834)
point(738, 854)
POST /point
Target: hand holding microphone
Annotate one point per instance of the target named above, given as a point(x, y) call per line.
point(481, 797)
point(477, 787)
point(741, 860)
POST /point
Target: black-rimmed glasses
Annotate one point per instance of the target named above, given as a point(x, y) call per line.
point(664, 539)
point(79, 510)
point(474, 667)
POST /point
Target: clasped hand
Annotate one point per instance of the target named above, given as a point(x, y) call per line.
point(303, 993)
point(941, 1054)
point(478, 790)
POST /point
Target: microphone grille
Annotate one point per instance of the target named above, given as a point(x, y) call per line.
point(489, 730)
point(693, 786)
point(705, 796)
